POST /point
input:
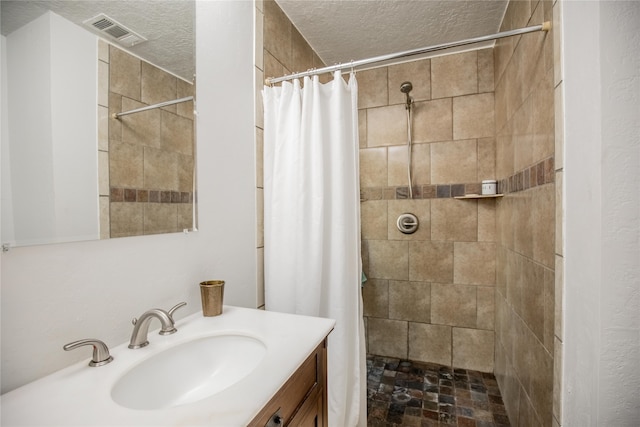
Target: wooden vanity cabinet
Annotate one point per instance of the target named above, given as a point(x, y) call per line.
point(302, 401)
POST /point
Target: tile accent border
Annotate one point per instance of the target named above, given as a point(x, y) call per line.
point(118, 194)
point(541, 173)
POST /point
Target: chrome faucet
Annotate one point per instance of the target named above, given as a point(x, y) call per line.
point(141, 325)
point(101, 354)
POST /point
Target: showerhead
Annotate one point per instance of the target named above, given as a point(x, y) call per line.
point(406, 87)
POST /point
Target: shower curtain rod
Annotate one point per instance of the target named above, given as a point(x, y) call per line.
point(546, 26)
point(151, 107)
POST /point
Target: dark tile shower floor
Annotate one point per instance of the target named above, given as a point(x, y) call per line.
point(406, 393)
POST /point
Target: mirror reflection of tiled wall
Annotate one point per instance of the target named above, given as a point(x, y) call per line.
point(146, 159)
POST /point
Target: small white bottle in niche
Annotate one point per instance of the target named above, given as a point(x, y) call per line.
point(488, 186)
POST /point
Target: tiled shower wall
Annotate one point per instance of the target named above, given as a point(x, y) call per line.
point(429, 295)
point(280, 50)
point(528, 166)
point(146, 160)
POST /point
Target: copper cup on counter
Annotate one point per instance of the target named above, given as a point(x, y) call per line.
point(212, 294)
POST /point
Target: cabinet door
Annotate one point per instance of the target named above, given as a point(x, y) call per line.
point(310, 414)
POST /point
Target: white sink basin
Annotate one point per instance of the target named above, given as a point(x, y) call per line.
point(188, 372)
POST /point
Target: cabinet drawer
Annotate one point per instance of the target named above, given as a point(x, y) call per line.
point(308, 382)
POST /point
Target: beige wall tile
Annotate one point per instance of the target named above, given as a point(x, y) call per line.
point(558, 295)
point(454, 220)
point(375, 297)
point(373, 220)
point(549, 309)
point(431, 261)
point(103, 51)
point(259, 39)
point(387, 337)
point(523, 217)
point(260, 278)
point(420, 161)
point(557, 43)
point(544, 225)
point(474, 263)
point(185, 216)
point(486, 158)
point(559, 126)
point(389, 260)
point(184, 89)
point(127, 219)
point(486, 308)
point(272, 67)
point(260, 217)
point(372, 88)
point(473, 349)
point(140, 128)
point(259, 158)
point(157, 86)
point(416, 72)
point(420, 208)
point(124, 74)
point(103, 173)
point(160, 218)
point(541, 388)
point(454, 75)
point(105, 220)
point(115, 125)
point(373, 167)
point(462, 154)
point(557, 379)
point(103, 84)
point(176, 133)
point(432, 121)
point(103, 128)
point(186, 172)
point(386, 126)
point(410, 301)
point(430, 343)
point(522, 136)
point(559, 216)
point(473, 116)
point(160, 169)
point(532, 306)
point(543, 117)
point(397, 163)
point(485, 71)
point(126, 166)
point(421, 164)
point(277, 34)
point(486, 220)
point(454, 305)
point(259, 107)
point(301, 52)
point(362, 128)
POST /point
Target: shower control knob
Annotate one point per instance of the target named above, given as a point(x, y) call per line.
point(407, 223)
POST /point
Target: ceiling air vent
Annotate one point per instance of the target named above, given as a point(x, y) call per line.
point(113, 30)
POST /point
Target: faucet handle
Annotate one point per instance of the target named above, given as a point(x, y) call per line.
point(101, 354)
point(174, 308)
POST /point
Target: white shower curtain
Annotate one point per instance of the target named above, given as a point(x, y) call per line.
point(312, 225)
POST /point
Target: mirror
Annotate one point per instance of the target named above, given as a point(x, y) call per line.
point(87, 151)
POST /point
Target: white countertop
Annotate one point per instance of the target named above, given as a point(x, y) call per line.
point(80, 395)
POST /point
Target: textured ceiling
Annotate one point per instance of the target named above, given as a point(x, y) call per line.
point(167, 24)
point(344, 30)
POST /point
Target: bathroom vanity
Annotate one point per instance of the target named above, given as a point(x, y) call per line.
point(244, 367)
